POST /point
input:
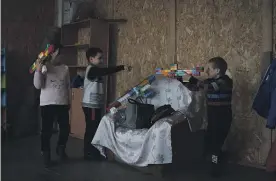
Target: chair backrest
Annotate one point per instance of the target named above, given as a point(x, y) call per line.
point(190, 103)
point(170, 91)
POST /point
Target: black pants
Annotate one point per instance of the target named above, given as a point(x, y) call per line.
point(92, 119)
point(219, 123)
point(49, 114)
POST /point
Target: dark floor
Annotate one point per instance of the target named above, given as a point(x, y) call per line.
point(21, 161)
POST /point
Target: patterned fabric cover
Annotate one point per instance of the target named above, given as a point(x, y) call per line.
point(141, 147)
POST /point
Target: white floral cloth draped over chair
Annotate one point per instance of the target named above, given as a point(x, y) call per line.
point(142, 147)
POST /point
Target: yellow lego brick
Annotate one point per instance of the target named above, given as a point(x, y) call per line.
point(174, 66)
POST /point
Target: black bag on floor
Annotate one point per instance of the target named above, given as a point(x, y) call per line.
point(138, 115)
point(161, 112)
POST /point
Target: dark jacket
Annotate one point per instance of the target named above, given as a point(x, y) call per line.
point(219, 91)
point(265, 101)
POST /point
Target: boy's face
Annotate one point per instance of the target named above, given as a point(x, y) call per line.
point(97, 59)
point(55, 58)
point(211, 71)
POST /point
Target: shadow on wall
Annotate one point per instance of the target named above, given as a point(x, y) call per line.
point(113, 45)
point(21, 96)
point(23, 29)
point(245, 138)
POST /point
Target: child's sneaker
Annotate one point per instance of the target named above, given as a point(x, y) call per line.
point(216, 167)
point(47, 158)
point(60, 150)
point(92, 157)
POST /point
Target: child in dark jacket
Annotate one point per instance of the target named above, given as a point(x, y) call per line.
point(218, 87)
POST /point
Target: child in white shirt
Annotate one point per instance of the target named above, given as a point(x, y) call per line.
point(54, 81)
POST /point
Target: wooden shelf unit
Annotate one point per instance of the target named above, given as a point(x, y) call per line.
point(76, 38)
point(86, 21)
point(77, 46)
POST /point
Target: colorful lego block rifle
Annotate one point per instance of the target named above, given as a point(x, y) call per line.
point(140, 90)
point(43, 56)
point(175, 72)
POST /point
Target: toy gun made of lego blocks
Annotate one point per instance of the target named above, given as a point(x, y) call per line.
point(43, 56)
point(177, 73)
point(140, 90)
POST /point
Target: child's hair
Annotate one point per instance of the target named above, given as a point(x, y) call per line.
point(92, 52)
point(219, 63)
point(57, 46)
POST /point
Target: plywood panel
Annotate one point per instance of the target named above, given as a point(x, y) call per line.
point(274, 26)
point(77, 119)
point(143, 40)
point(231, 29)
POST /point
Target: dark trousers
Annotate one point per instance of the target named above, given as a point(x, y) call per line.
point(49, 114)
point(92, 119)
point(219, 123)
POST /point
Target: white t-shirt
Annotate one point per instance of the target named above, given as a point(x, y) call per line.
point(54, 85)
point(93, 93)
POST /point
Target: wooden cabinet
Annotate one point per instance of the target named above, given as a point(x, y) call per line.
point(76, 38)
point(77, 119)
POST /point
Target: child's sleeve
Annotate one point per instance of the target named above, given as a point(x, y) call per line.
point(213, 85)
point(194, 81)
point(207, 84)
point(221, 84)
point(96, 71)
point(68, 83)
point(39, 80)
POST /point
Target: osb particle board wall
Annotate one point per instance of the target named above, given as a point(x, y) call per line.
point(231, 29)
point(274, 26)
point(83, 38)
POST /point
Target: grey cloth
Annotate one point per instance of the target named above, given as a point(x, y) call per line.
point(196, 113)
point(130, 114)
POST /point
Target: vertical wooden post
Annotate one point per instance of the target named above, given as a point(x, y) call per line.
point(267, 31)
point(59, 4)
point(172, 32)
point(266, 58)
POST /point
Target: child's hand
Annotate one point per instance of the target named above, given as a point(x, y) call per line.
point(171, 76)
point(44, 69)
point(38, 66)
point(127, 68)
point(186, 77)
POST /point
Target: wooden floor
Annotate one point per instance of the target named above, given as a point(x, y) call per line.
point(21, 161)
